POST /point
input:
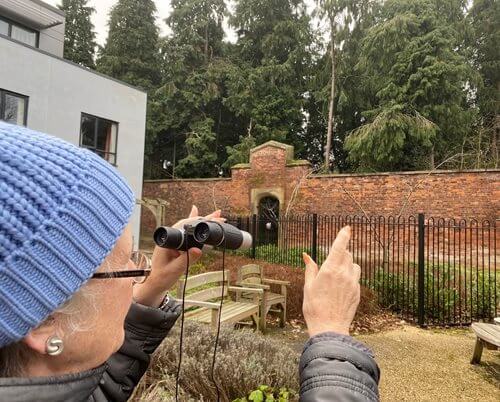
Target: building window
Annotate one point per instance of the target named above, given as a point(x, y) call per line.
point(100, 136)
point(13, 107)
point(18, 32)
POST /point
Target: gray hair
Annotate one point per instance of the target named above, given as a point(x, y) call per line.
point(16, 356)
point(68, 317)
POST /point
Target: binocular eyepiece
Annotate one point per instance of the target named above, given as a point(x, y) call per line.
point(200, 233)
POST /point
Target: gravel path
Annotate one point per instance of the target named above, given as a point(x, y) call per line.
point(433, 365)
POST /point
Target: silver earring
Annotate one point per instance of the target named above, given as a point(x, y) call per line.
point(54, 346)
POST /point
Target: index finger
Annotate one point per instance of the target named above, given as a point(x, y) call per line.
point(340, 243)
point(342, 240)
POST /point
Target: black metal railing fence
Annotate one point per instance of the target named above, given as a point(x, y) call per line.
point(431, 271)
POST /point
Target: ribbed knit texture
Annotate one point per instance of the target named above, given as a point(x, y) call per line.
point(62, 208)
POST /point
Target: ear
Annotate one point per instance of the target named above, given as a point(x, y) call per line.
point(37, 338)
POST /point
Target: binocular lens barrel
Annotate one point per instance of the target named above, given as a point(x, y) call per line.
point(168, 237)
point(223, 235)
point(200, 233)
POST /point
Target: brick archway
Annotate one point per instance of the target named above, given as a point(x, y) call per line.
point(257, 194)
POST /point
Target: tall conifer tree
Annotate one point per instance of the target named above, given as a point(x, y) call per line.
point(485, 21)
point(79, 39)
point(271, 63)
point(194, 124)
point(131, 50)
point(413, 62)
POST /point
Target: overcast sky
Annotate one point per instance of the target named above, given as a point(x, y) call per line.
point(102, 7)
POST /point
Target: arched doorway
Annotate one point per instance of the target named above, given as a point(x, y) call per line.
point(268, 218)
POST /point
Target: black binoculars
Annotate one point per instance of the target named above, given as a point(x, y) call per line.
point(202, 233)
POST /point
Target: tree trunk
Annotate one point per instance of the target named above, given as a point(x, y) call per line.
point(331, 101)
point(175, 151)
point(206, 42)
point(217, 131)
point(494, 139)
point(496, 132)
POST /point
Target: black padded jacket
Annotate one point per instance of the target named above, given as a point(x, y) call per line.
point(336, 367)
point(332, 367)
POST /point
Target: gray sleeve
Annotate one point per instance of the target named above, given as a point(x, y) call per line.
point(336, 367)
point(145, 329)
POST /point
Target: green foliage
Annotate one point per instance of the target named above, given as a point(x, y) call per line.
point(200, 147)
point(485, 53)
point(271, 62)
point(389, 137)
point(245, 360)
point(188, 107)
point(240, 153)
point(131, 50)
point(79, 37)
point(282, 255)
point(415, 81)
point(413, 61)
point(449, 292)
point(267, 394)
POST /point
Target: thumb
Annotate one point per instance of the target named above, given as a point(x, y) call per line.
point(194, 212)
point(311, 269)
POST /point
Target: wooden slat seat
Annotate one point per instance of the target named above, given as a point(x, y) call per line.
point(252, 276)
point(274, 298)
point(232, 312)
point(203, 295)
point(487, 335)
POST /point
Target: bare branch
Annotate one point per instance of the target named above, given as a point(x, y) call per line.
point(296, 189)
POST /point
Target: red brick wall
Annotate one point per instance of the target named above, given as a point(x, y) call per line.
point(448, 194)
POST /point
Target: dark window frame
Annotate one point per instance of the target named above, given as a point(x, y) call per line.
point(26, 98)
point(9, 34)
point(94, 148)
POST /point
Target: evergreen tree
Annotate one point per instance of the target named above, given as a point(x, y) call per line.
point(271, 65)
point(131, 50)
point(414, 65)
point(190, 101)
point(79, 38)
point(240, 152)
point(484, 17)
point(200, 144)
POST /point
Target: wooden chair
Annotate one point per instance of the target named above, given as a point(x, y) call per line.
point(207, 300)
point(252, 276)
point(487, 335)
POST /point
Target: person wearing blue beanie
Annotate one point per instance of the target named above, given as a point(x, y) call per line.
point(75, 323)
point(81, 312)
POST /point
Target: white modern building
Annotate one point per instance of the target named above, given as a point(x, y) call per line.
point(41, 90)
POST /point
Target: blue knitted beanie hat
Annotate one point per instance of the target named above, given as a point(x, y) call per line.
point(62, 209)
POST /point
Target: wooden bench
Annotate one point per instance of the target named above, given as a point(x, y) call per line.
point(487, 335)
point(207, 300)
point(252, 275)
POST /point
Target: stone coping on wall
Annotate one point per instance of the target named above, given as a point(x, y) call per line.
point(291, 163)
point(179, 180)
point(289, 149)
point(412, 173)
point(341, 175)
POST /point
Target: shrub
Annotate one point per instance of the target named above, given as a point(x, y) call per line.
point(245, 360)
point(448, 293)
point(266, 393)
point(280, 255)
